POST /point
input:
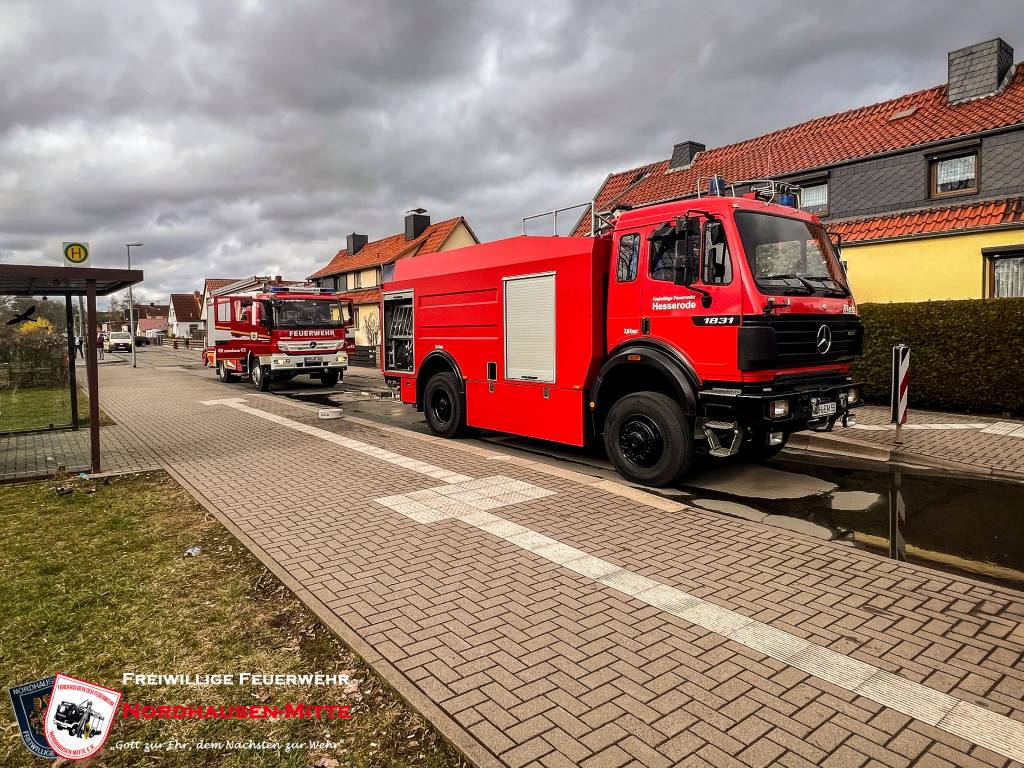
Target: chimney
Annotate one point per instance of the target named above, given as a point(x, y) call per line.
point(277, 279)
point(416, 221)
point(684, 153)
point(978, 70)
point(354, 243)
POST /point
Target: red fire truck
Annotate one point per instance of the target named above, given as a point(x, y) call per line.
point(277, 334)
point(719, 324)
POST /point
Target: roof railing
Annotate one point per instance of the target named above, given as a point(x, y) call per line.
point(554, 216)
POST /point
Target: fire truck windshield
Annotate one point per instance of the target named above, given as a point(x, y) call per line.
point(790, 256)
point(309, 313)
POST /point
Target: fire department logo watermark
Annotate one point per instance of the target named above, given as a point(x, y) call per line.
point(79, 717)
point(30, 702)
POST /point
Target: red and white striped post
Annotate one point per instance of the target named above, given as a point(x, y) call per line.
point(900, 387)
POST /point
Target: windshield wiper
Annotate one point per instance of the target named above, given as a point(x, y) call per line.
point(807, 285)
point(837, 291)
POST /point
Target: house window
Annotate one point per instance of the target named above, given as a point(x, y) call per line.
point(814, 198)
point(1007, 277)
point(629, 256)
point(357, 279)
point(954, 175)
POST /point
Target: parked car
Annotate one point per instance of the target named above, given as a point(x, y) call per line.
point(118, 340)
point(141, 341)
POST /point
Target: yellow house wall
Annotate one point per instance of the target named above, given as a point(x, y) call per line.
point(460, 237)
point(950, 267)
point(365, 311)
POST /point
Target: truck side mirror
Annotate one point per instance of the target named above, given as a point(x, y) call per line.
point(687, 260)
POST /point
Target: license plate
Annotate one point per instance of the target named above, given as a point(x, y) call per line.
point(316, 361)
point(823, 409)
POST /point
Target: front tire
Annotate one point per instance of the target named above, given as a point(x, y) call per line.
point(759, 452)
point(330, 378)
point(444, 406)
point(260, 375)
point(648, 439)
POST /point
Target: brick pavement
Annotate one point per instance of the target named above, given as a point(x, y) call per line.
point(522, 661)
point(947, 437)
point(39, 454)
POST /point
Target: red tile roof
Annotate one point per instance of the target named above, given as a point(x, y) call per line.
point(389, 249)
point(151, 310)
point(151, 324)
point(361, 296)
point(926, 117)
point(211, 284)
point(186, 307)
point(969, 216)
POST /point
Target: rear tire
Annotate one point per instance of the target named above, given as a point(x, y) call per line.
point(330, 378)
point(259, 374)
point(444, 406)
point(224, 375)
point(648, 439)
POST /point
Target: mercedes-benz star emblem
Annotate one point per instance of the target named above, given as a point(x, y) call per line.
point(312, 344)
point(824, 342)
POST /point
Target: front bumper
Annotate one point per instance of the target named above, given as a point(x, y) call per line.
point(810, 404)
point(306, 363)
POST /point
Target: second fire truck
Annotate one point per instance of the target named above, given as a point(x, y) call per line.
point(278, 333)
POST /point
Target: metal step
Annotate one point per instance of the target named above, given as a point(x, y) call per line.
point(720, 425)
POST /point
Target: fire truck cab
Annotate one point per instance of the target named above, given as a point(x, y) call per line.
point(720, 325)
point(277, 334)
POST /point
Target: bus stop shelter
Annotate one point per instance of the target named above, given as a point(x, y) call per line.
point(71, 282)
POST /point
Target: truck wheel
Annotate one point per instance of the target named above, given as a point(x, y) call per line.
point(443, 406)
point(260, 375)
point(757, 452)
point(224, 375)
point(648, 439)
point(329, 378)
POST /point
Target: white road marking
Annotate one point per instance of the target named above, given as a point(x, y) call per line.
point(414, 465)
point(1006, 428)
point(957, 426)
point(961, 718)
point(467, 499)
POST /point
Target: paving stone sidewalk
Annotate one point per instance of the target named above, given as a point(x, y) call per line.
point(977, 441)
point(522, 661)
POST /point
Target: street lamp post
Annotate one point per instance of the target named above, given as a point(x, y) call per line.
point(131, 301)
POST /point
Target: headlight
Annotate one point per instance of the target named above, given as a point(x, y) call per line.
point(280, 361)
point(853, 394)
point(778, 409)
point(342, 358)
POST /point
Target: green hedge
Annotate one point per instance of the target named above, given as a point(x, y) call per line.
point(964, 355)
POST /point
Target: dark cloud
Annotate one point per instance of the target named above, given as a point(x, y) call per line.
point(245, 137)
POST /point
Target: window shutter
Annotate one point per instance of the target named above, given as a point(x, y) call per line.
point(530, 328)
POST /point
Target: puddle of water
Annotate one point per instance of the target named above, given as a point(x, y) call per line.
point(965, 523)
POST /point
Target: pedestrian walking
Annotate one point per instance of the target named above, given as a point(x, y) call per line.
point(99, 346)
point(79, 346)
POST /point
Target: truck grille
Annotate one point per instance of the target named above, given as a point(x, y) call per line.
point(781, 341)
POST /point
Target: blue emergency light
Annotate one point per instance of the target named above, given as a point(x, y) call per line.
point(788, 198)
point(716, 185)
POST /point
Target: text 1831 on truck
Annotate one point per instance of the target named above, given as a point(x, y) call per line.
point(717, 324)
point(277, 334)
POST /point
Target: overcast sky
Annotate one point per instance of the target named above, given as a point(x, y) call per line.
point(236, 138)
